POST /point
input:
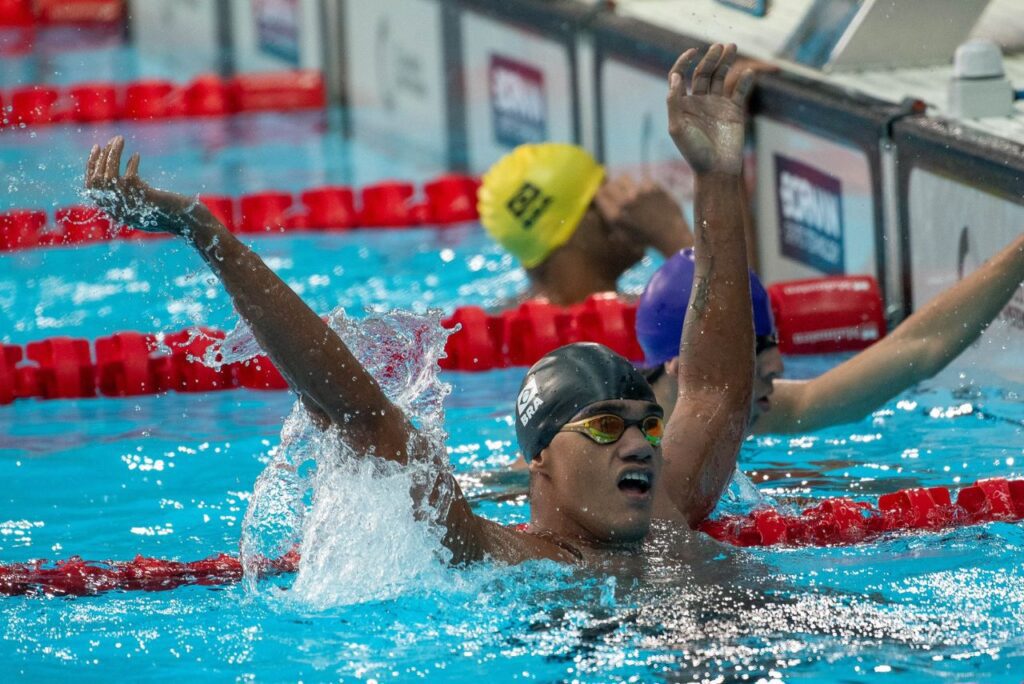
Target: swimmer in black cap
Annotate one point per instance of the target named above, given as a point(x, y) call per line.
point(602, 463)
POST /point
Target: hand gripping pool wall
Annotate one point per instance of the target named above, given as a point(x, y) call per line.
point(396, 82)
point(964, 204)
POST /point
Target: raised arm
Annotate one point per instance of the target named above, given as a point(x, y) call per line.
point(309, 354)
point(916, 350)
point(716, 351)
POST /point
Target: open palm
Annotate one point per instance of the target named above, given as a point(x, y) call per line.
point(128, 199)
point(707, 120)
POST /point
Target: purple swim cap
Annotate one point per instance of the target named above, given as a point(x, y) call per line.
point(662, 309)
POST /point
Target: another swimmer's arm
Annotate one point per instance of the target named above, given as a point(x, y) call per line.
point(645, 212)
point(716, 351)
point(916, 350)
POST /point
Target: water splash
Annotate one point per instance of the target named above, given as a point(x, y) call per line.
point(352, 515)
point(742, 496)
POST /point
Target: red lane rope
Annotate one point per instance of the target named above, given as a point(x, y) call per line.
point(844, 521)
point(127, 363)
point(833, 522)
point(208, 95)
point(77, 577)
point(444, 201)
point(32, 13)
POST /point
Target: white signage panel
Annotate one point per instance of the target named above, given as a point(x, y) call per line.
point(518, 87)
point(272, 35)
point(395, 79)
point(954, 228)
point(176, 39)
point(634, 128)
point(815, 210)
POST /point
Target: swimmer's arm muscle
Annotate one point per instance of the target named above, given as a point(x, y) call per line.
point(716, 351)
point(316, 362)
point(715, 373)
point(916, 350)
point(309, 354)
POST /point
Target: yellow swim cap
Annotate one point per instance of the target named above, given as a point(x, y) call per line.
point(533, 198)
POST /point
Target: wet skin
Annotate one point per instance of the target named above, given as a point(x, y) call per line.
point(768, 368)
point(583, 481)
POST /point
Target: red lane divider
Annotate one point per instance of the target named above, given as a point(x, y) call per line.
point(832, 522)
point(79, 11)
point(20, 19)
point(521, 336)
point(154, 99)
point(126, 363)
point(843, 521)
point(824, 315)
point(448, 200)
point(77, 577)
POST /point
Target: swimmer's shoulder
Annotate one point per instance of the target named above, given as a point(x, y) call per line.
point(518, 545)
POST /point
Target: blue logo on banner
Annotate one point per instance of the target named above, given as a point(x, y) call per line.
point(277, 28)
point(518, 109)
point(810, 215)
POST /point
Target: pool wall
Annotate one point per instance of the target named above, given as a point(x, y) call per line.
point(844, 183)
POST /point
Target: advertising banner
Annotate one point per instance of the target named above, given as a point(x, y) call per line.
point(815, 208)
point(271, 35)
point(277, 28)
point(519, 88)
point(810, 215)
point(396, 87)
point(954, 228)
point(518, 107)
point(633, 127)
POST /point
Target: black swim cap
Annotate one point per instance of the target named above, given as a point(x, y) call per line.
point(558, 386)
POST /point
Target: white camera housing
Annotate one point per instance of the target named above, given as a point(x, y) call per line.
point(979, 87)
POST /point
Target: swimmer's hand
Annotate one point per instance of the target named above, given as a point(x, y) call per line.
point(130, 201)
point(644, 213)
point(707, 122)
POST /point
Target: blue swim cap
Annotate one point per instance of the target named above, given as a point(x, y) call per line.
point(662, 309)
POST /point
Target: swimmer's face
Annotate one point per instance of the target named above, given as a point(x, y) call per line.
point(767, 368)
point(606, 491)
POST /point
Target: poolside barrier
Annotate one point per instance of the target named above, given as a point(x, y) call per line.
point(132, 363)
point(156, 99)
point(833, 522)
point(446, 200)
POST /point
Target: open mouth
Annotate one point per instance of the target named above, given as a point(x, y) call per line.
point(635, 482)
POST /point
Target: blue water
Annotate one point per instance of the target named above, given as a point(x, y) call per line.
point(170, 476)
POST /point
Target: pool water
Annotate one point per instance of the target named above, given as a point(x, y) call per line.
point(171, 476)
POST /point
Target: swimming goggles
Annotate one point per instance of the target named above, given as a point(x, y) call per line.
point(765, 342)
point(608, 428)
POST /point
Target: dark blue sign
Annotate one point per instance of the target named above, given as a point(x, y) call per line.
point(518, 107)
point(810, 206)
